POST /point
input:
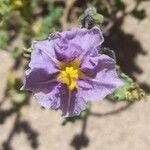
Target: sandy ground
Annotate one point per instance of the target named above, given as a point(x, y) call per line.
point(119, 127)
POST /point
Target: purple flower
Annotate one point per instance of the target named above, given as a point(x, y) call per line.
point(66, 71)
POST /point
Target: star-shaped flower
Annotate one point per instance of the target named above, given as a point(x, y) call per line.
point(66, 71)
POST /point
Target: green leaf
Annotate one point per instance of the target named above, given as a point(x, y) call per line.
point(130, 91)
point(120, 93)
point(4, 37)
point(139, 14)
point(50, 22)
point(120, 5)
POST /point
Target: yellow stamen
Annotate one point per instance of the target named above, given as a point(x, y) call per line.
point(70, 73)
point(69, 77)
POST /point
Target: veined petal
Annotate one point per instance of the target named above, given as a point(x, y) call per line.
point(71, 104)
point(89, 64)
point(43, 56)
point(67, 51)
point(96, 66)
point(88, 39)
point(78, 43)
point(101, 79)
point(37, 80)
point(49, 98)
point(44, 88)
point(99, 88)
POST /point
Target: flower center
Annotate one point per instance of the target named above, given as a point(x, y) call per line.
point(69, 77)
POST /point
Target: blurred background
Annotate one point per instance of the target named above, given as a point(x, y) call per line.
point(24, 125)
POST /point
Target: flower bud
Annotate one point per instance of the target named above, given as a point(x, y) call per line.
point(90, 18)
